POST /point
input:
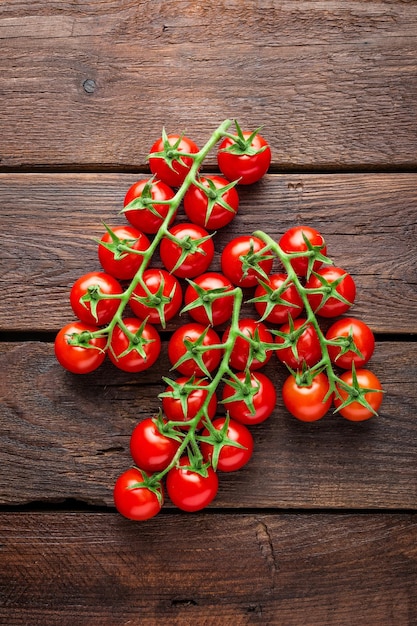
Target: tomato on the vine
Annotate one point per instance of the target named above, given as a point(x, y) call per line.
point(77, 351)
point(114, 251)
point(219, 449)
point(158, 299)
point(276, 298)
point(87, 298)
point(133, 499)
point(310, 401)
point(208, 288)
point(357, 411)
point(338, 291)
point(298, 239)
point(166, 160)
point(190, 352)
point(357, 342)
point(244, 262)
point(144, 213)
point(255, 397)
point(150, 448)
point(136, 348)
point(191, 490)
point(185, 397)
point(300, 343)
point(245, 156)
point(248, 350)
point(212, 202)
point(187, 251)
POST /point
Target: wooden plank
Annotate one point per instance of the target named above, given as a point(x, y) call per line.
point(332, 84)
point(97, 569)
point(66, 436)
point(49, 223)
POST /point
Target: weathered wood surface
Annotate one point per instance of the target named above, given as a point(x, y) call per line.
point(66, 436)
point(49, 223)
point(333, 84)
point(97, 569)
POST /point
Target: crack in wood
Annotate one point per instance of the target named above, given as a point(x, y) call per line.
point(266, 546)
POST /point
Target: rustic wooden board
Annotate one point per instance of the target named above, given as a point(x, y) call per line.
point(49, 223)
point(333, 84)
point(98, 569)
point(66, 436)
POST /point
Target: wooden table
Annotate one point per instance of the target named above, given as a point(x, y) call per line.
point(320, 527)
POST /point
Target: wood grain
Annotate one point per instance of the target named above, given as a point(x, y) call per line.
point(66, 436)
point(97, 569)
point(333, 85)
point(49, 223)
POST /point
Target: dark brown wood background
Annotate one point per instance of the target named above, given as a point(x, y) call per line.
point(320, 527)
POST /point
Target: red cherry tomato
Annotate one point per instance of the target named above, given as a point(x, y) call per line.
point(213, 208)
point(170, 167)
point(192, 256)
point(331, 278)
point(150, 449)
point(136, 353)
point(82, 357)
point(355, 411)
point(112, 255)
point(86, 298)
point(230, 457)
point(270, 307)
point(218, 310)
point(145, 215)
point(243, 262)
point(136, 502)
point(307, 402)
point(249, 352)
point(262, 394)
point(356, 335)
point(292, 241)
point(188, 394)
point(200, 338)
point(247, 157)
point(165, 301)
point(304, 339)
point(190, 490)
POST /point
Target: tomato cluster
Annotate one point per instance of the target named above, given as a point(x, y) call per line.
point(217, 355)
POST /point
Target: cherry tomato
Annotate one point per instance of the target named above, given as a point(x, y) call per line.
point(219, 309)
point(144, 214)
point(188, 394)
point(305, 341)
point(357, 335)
point(117, 261)
point(150, 449)
point(307, 402)
point(271, 306)
point(199, 362)
point(244, 354)
point(215, 207)
point(190, 490)
point(243, 262)
point(136, 502)
point(262, 394)
point(292, 241)
point(230, 458)
point(86, 298)
point(247, 157)
point(192, 256)
point(165, 301)
point(355, 411)
point(84, 356)
point(138, 352)
point(331, 278)
point(170, 167)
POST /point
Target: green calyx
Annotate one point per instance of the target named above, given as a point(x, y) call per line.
point(218, 439)
point(241, 145)
point(244, 390)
